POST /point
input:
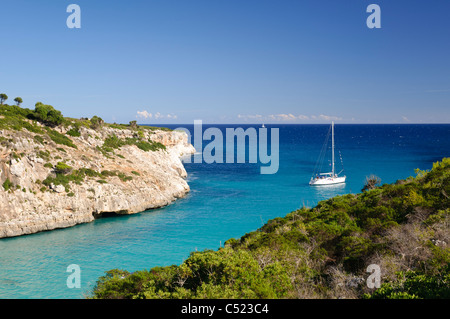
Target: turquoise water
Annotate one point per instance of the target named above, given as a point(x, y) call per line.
point(226, 201)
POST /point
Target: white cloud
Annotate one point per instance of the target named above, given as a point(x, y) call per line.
point(405, 119)
point(256, 116)
point(329, 118)
point(144, 114)
point(289, 117)
point(285, 117)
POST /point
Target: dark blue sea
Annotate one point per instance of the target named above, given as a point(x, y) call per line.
point(226, 201)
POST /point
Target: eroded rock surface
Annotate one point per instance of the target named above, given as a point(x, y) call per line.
point(140, 180)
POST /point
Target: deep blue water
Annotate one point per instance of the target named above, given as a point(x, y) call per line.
point(226, 201)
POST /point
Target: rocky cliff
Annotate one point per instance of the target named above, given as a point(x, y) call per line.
point(66, 175)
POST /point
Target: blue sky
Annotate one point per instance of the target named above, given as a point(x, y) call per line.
point(230, 61)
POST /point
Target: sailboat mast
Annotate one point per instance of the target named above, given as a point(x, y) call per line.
point(332, 147)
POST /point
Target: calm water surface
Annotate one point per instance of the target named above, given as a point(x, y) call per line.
point(226, 201)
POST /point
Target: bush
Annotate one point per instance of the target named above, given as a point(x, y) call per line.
point(59, 138)
point(63, 177)
point(74, 132)
point(39, 139)
point(113, 142)
point(47, 114)
point(372, 182)
point(210, 274)
point(400, 226)
point(7, 185)
point(96, 122)
point(62, 168)
point(133, 125)
point(17, 118)
point(415, 285)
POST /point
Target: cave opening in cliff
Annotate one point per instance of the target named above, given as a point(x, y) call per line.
point(98, 215)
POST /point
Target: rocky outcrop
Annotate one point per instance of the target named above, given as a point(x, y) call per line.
point(138, 180)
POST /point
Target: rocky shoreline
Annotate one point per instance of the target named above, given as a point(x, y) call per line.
point(126, 181)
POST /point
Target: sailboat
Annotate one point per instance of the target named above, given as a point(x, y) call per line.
point(328, 178)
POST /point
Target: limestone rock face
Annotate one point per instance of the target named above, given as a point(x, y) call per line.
point(138, 179)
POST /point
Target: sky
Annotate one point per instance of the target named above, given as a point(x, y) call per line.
point(230, 61)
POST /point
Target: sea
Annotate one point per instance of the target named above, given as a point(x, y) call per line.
point(226, 200)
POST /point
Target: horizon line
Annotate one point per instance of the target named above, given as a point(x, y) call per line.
point(259, 124)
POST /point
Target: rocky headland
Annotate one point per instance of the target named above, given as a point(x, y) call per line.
point(63, 172)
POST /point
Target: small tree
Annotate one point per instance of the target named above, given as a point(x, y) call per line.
point(133, 124)
point(47, 114)
point(372, 182)
point(62, 168)
point(3, 98)
point(18, 101)
point(96, 122)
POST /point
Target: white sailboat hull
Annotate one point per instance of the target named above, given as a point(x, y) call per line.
point(327, 181)
point(330, 178)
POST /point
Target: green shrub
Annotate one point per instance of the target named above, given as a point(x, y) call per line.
point(301, 251)
point(59, 138)
point(415, 285)
point(62, 168)
point(63, 177)
point(47, 114)
point(210, 274)
point(75, 132)
point(16, 118)
point(39, 139)
point(45, 155)
point(96, 122)
point(89, 172)
point(124, 177)
point(113, 142)
point(7, 185)
point(107, 173)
